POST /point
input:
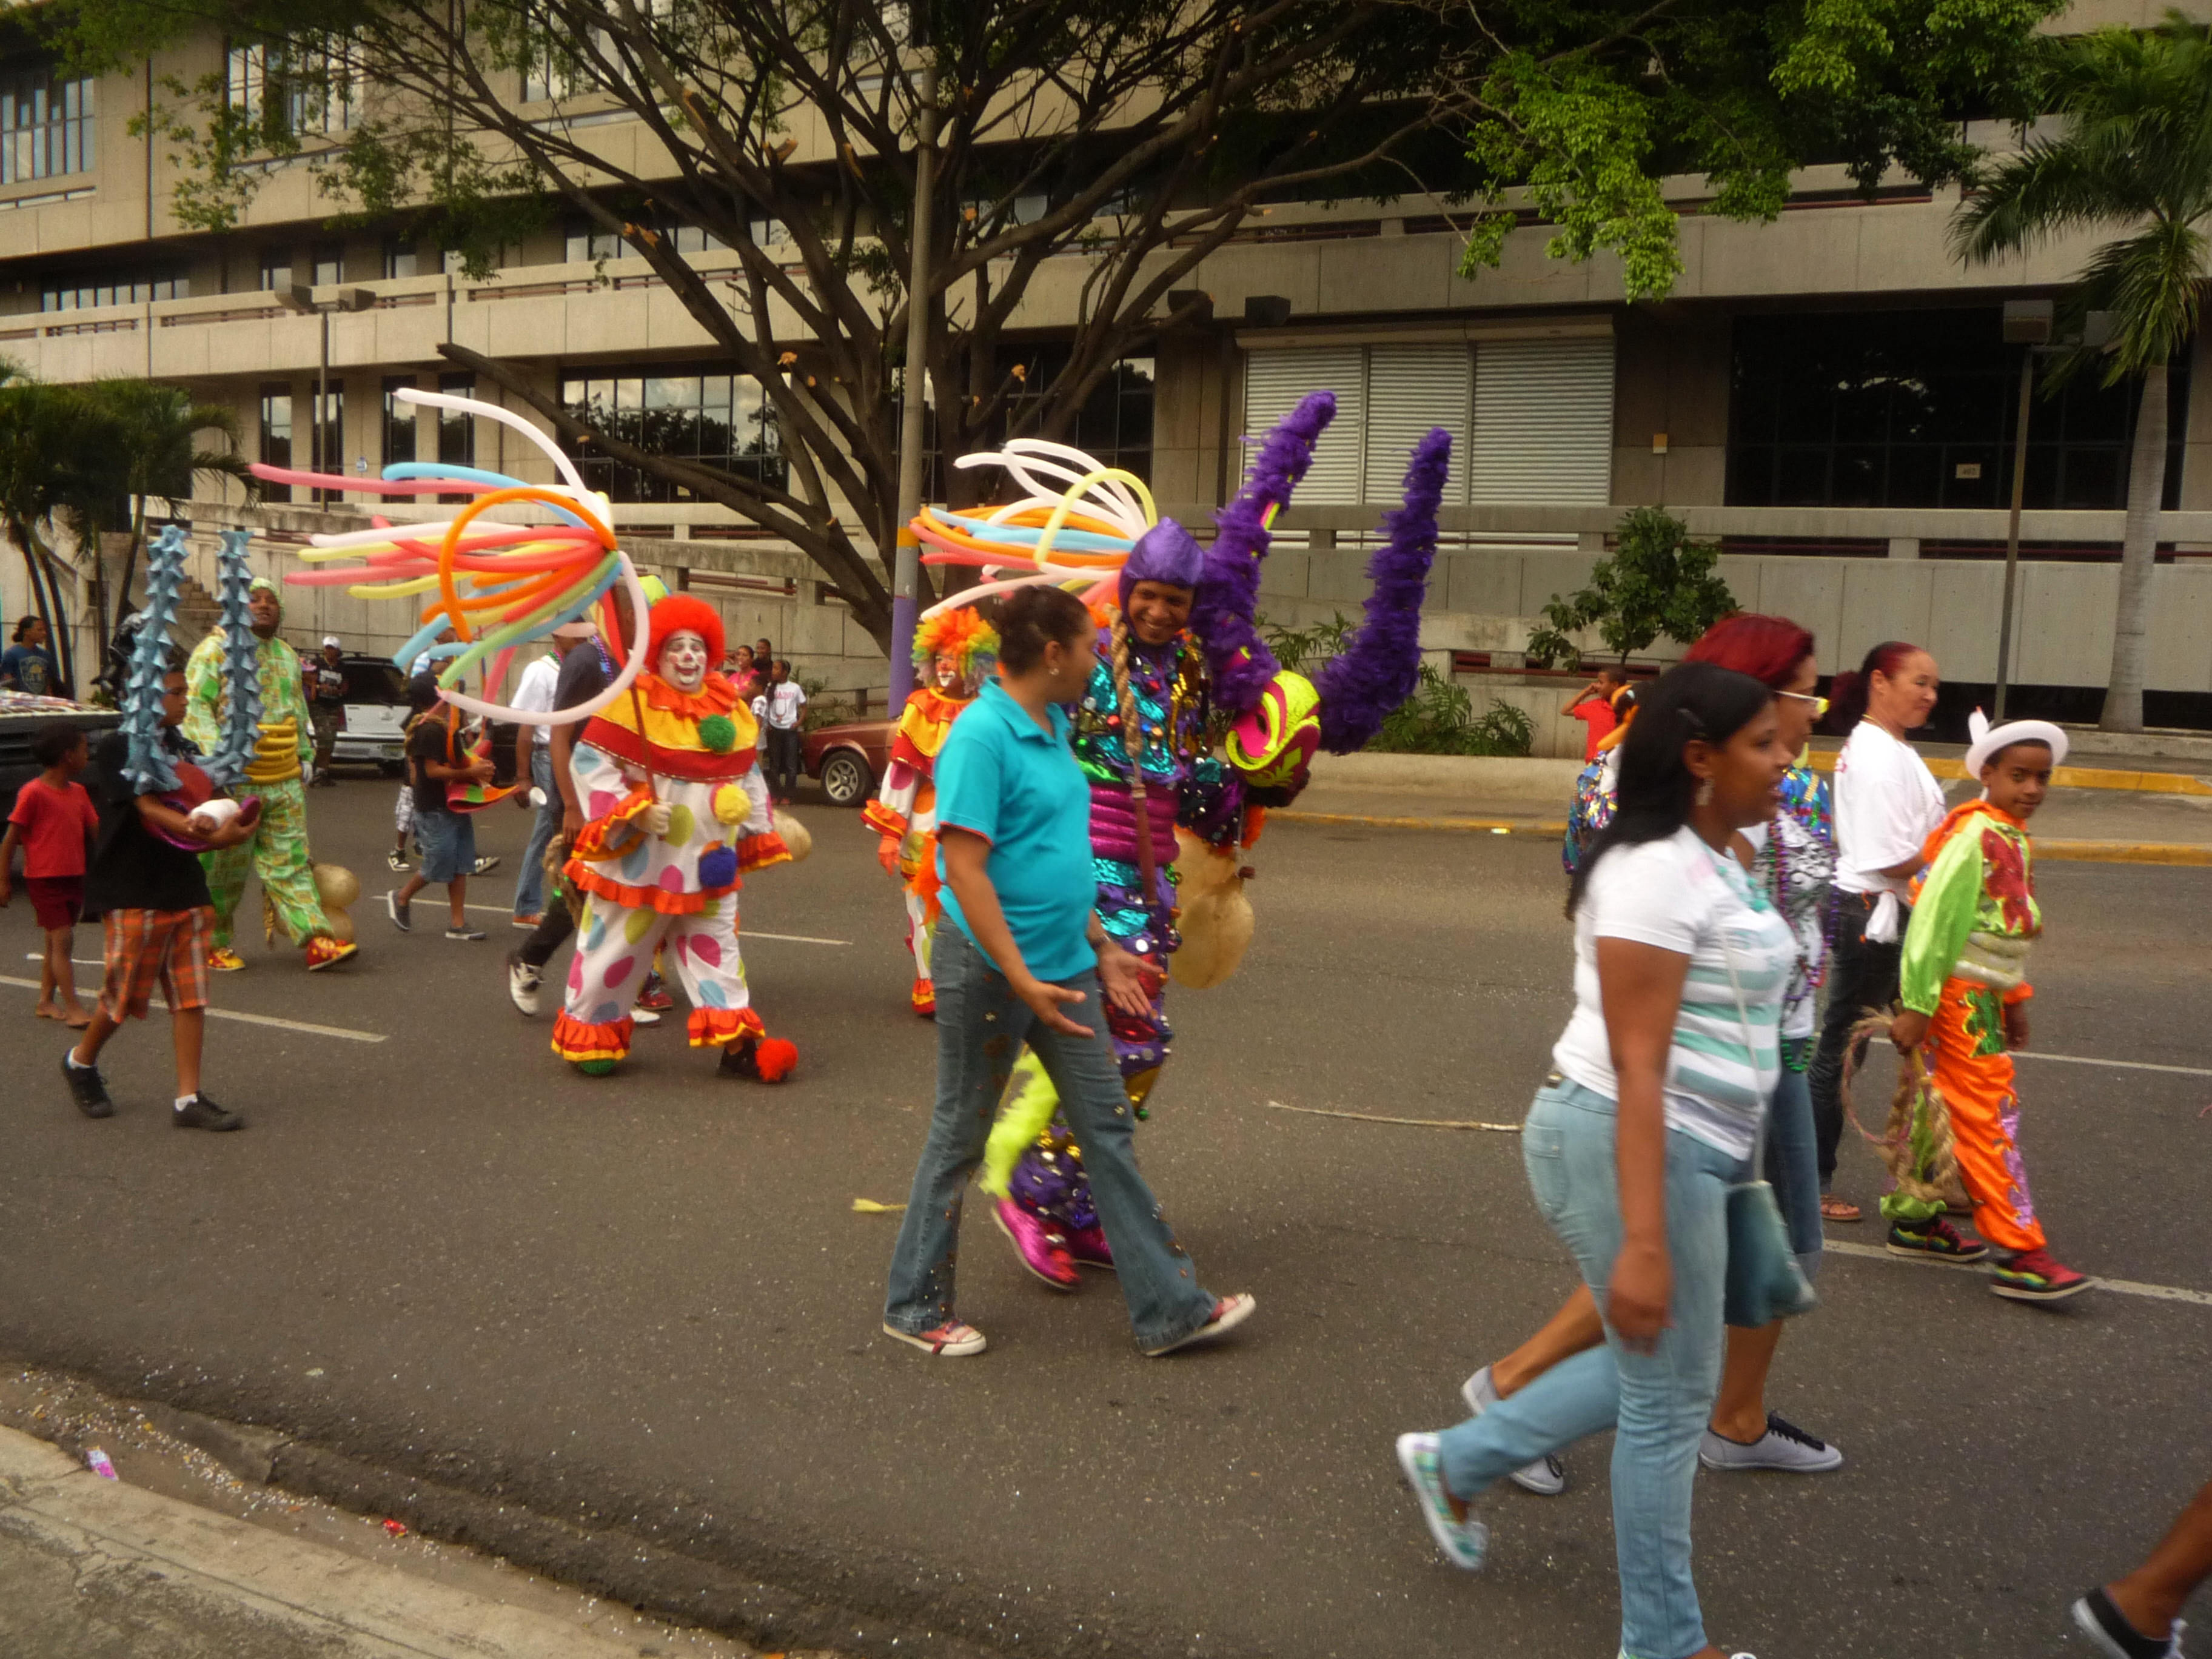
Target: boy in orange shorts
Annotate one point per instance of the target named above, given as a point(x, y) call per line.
point(146, 882)
point(1964, 989)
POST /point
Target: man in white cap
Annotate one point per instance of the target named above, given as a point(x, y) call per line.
point(1963, 985)
point(324, 675)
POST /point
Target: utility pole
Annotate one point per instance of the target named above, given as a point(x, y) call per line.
point(2026, 325)
point(906, 571)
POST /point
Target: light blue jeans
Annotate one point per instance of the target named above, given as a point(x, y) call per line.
point(980, 1028)
point(1793, 1157)
point(1659, 1401)
point(530, 885)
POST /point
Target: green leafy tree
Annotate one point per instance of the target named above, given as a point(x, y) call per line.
point(1438, 719)
point(45, 434)
point(1088, 158)
point(2134, 157)
point(1656, 581)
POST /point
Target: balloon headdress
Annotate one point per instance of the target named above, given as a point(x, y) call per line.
point(499, 585)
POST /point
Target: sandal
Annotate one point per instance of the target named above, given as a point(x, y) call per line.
point(951, 1341)
point(1837, 1209)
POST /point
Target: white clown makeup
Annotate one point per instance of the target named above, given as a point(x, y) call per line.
point(683, 660)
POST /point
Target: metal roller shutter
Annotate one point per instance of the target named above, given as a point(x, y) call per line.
point(1274, 380)
point(1410, 389)
point(1543, 421)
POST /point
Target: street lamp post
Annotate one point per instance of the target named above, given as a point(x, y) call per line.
point(2026, 325)
point(907, 569)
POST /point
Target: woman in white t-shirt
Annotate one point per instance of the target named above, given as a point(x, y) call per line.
point(1663, 1073)
point(1888, 804)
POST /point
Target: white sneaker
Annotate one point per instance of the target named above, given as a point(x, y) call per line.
point(522, 984)
point(1784, 1446)
point(1546, 1477)
point(1464, 1543)
point(644, 1017)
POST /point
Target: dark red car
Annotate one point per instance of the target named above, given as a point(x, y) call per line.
point(847, 757)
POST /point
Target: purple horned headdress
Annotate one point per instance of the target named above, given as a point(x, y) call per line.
point(1165, 553)
point(1236, 658)
point(1380, 668)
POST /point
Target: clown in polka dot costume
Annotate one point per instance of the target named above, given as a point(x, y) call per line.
point(678, 812)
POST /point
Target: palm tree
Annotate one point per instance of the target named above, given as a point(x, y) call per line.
point(2134, 157)
point(148, 448)
point(42, 429)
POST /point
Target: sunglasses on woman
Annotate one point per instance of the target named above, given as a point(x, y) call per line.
point(1819, 704)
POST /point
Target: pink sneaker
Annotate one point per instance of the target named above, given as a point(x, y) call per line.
point(1088, 1246)
point(1043, 1250)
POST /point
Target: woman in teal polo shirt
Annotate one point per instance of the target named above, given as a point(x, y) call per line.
point(1016, 954)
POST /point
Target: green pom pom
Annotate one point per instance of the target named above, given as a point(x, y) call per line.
point(595, 1067)
point(718, 733)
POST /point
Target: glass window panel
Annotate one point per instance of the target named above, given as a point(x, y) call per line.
point(1801, 477)
point(1916, 475)
point(672, 392)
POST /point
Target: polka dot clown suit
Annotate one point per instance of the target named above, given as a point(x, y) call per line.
point(677, 812)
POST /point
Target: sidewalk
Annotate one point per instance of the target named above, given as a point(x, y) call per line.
point(93, 1568)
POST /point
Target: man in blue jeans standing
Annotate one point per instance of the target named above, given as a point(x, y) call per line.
point(1017, 953)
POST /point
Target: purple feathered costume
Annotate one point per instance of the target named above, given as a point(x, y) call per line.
point(1182, 692)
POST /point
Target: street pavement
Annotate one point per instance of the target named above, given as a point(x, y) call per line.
point(646, 1306)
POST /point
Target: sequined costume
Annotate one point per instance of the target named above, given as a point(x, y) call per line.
point(696, 753)
point(276, 851)
point(1965, 961)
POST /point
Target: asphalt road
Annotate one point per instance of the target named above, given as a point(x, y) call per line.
point(647, 1304)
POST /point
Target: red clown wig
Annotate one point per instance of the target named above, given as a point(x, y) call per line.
point(678, 613)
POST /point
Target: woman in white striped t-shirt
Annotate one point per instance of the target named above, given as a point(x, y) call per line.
point(1664, 1070)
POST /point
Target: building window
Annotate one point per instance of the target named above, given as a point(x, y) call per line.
point(398, 421)
point(276, 269)
point(46, 125)
point(297, 91)
point(330, 264)
point(1916, 409)
point(1115, 422)
point(457, 432)
point(330, 437)
point(401, 259)
point(588, 243)
point(81, 293)
point(276, 437)
point(720, 419)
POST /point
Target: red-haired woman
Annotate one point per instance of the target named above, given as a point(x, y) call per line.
point(1888, 804)
point(1792, 861)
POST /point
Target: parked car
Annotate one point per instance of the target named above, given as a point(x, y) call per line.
point(372, 723)
point(847, 757)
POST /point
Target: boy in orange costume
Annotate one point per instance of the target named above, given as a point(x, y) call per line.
point(956, 649)
point(1964, 986)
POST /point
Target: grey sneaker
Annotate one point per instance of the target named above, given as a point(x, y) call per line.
point(201, 1113)
point(486, 865)
point(1784, 1446)
point(469, 935)
point(88, 1091)
point(522, 984)
point(1546, 1477)
point(402, 912)
point(1463, 1542)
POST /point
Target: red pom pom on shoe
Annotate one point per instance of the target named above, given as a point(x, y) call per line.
point(774, 1057)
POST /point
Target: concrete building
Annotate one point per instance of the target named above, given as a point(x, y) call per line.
point(1829, 394)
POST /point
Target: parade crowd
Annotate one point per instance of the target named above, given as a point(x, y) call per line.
point(1068, 797)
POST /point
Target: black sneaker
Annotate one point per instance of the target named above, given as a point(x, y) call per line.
point(2111, 1634)
point(739, 1059)
point(1935, 1241)
point(87, 1088)
point(468, 934)
point(486, 865)
point(402, 912)
point(396, 862)
point(201, 1113)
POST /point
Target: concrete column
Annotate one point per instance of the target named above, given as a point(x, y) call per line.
point(1904, 547)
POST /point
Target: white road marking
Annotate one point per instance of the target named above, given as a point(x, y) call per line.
point(1412, 1122)
point(250, 1019)
point(2123, 1286)
point(2123, 1065)
point(744, 933)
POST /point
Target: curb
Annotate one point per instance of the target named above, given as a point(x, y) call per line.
point(2064, 777)
point(2064, 852)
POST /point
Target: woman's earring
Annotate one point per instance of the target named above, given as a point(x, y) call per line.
point(1705, 793)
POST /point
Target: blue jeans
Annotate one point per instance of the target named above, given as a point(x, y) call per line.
point(448, 841)
point(1659, 1401)
point(980, 1028)
point(530, 885)
point(1793, 1159)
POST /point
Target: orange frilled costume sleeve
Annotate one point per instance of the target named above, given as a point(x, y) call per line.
point(696, 753)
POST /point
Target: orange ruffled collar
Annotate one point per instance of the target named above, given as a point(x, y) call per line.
point(933, 704)
point(1957, 816)
point(716, 697)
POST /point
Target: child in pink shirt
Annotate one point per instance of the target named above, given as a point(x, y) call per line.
point(54, 822)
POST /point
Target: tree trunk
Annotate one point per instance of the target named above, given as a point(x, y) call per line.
point(2123, 692)
point(129, 567)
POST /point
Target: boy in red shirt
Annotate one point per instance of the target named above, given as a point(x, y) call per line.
point(54, 822)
